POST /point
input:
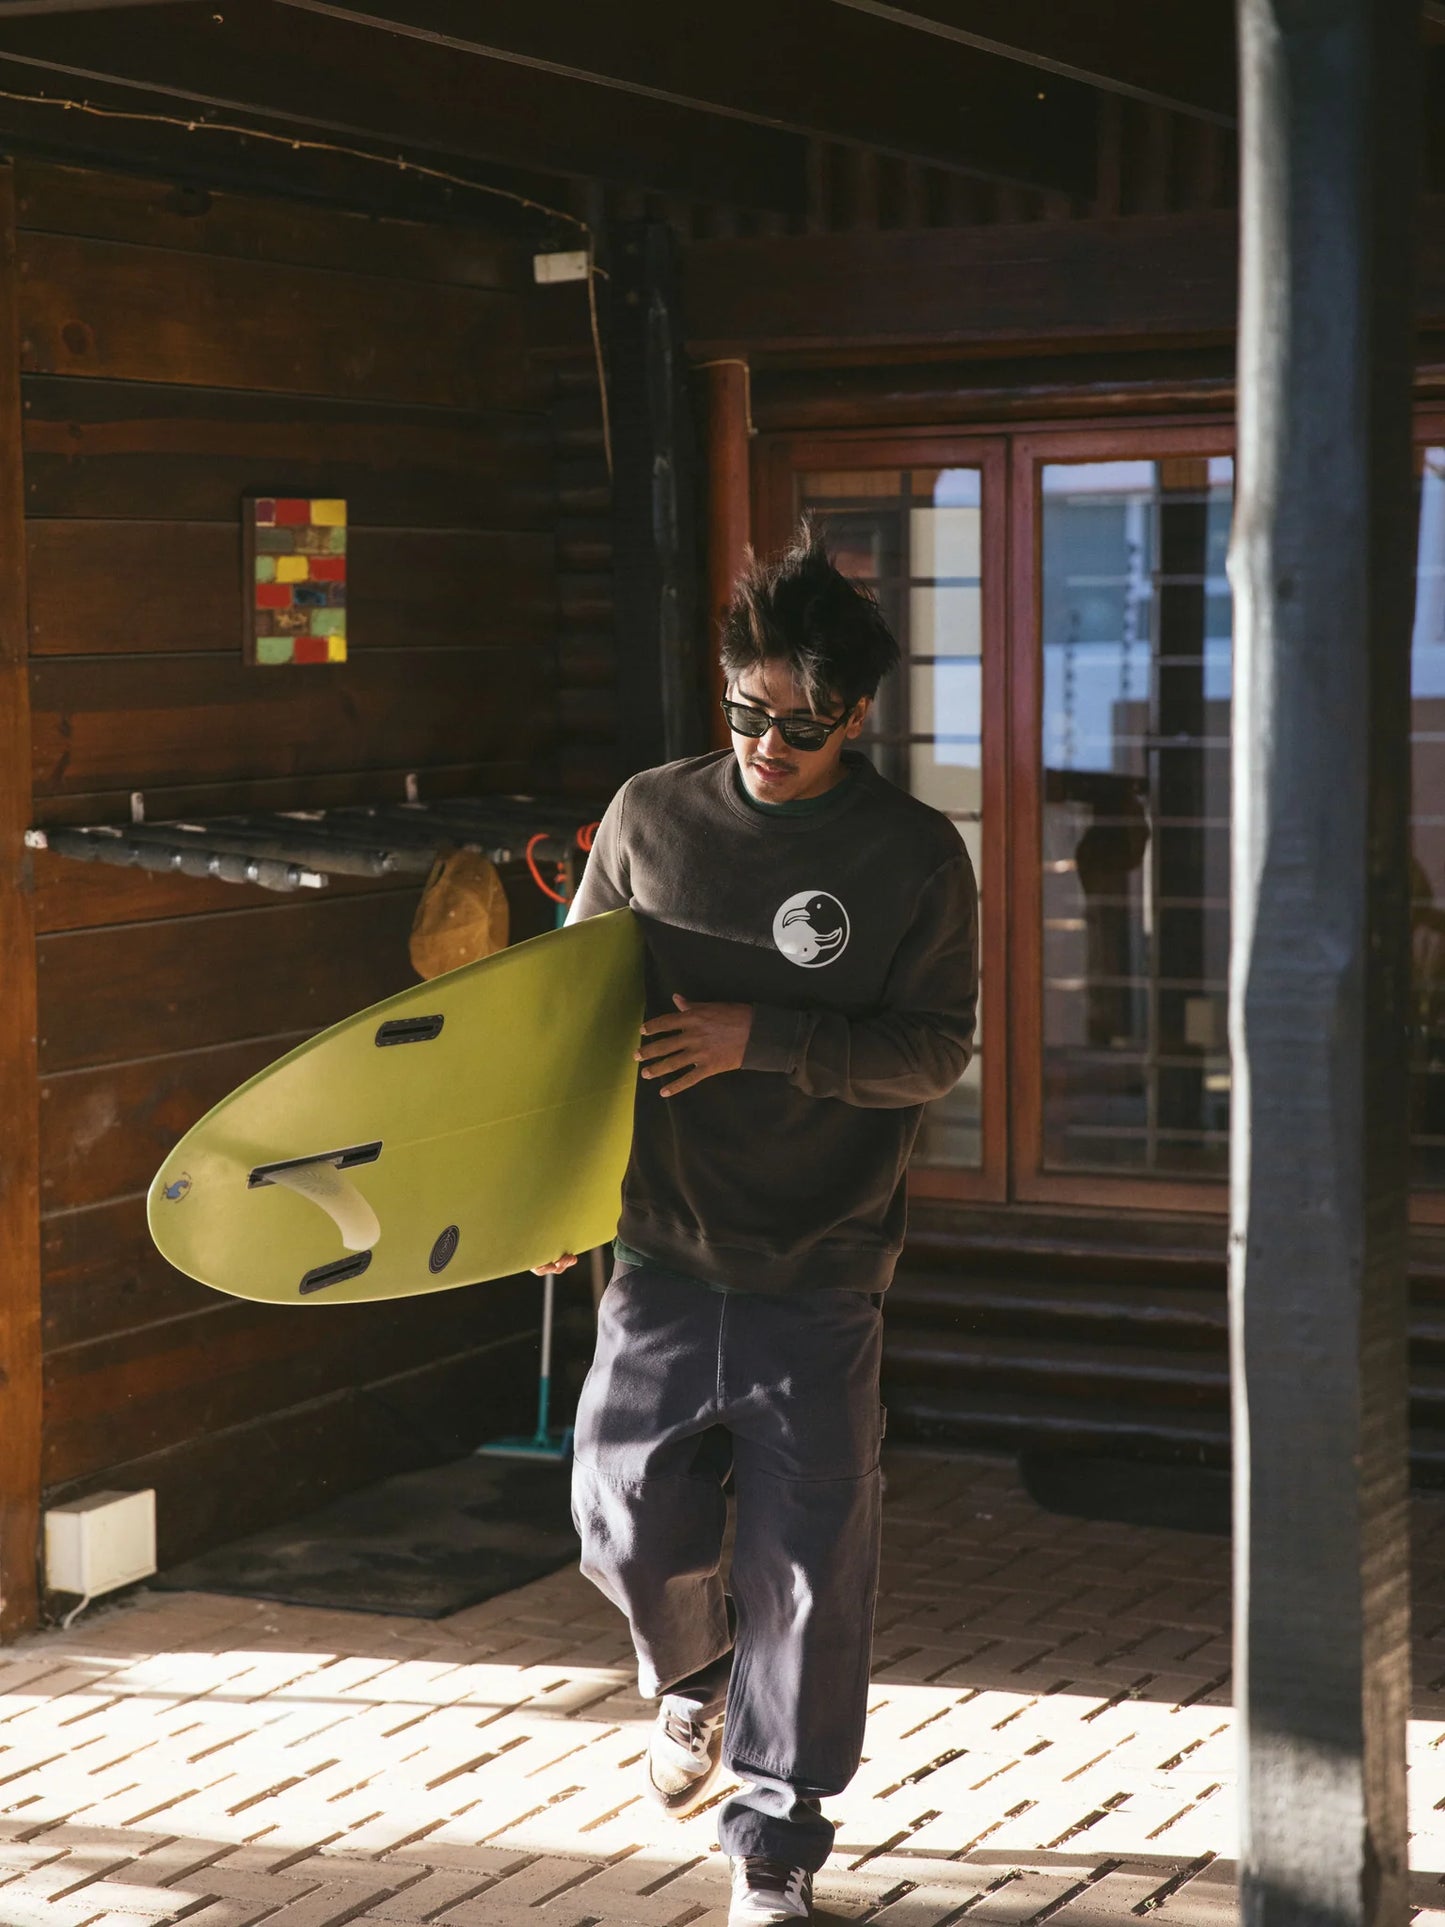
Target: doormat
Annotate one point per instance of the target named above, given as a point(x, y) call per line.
point(1131, 1492)
point(422, 1545)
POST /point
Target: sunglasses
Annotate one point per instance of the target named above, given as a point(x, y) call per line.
point(798, 732)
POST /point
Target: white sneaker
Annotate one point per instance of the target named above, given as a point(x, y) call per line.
point(683, 1756)
point(767, 1893)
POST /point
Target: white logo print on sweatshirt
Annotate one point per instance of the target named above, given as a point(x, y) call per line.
point(811, 929)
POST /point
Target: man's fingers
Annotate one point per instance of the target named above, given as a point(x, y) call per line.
point(663, 1026)
point(675, 1060)
point(558, 1264)
point(655, 1046)
point(686, 1081)
point(661, 1046)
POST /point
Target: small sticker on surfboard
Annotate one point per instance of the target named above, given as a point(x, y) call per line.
point(444, 1250)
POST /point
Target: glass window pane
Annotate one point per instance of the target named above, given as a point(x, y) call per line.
point(945, 698)
point(1427, 833)
point(914, 535)
point(956, 788)
point(946, 542)
point(945, 620)
point(1136, 635)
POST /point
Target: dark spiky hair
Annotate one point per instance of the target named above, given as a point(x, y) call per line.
point(800, 610)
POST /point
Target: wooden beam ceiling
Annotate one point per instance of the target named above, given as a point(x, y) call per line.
point(812, 299)
point(254, 57)
point(1179, 57)
point(1000, 288)
point(808, 67)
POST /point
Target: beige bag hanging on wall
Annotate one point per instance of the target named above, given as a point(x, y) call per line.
point(462, 916)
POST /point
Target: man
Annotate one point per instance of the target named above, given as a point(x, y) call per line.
point(811, 939)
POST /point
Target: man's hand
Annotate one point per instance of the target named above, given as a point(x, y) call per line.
point(558, 1264)
point(700, 1041)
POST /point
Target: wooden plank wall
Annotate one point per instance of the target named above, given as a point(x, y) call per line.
point(19, 1110)
point(177, 348)
point(588, 760)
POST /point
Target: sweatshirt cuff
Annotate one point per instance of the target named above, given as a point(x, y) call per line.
point(775, 1040)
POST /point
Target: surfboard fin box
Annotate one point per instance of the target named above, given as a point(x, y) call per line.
point(340, 1160)
point(321, 1180)
point(410, 1030)
point(334, 1274)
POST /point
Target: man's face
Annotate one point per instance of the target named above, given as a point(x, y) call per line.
point(773, 771)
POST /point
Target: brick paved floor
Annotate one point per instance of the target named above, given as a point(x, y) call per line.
point(1048, 1740)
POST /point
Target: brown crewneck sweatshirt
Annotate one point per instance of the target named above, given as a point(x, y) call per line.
point(852, 930)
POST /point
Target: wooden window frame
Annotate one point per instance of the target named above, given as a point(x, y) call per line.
point(777, 461)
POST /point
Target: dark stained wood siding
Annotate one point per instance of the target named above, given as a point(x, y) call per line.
point(178, 348)
point(20, 1390)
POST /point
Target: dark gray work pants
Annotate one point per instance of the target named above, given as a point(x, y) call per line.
point(784, 1389)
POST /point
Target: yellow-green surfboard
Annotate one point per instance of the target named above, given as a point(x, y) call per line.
point(466, 1129)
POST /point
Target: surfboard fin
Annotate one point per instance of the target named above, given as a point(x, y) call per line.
point(324, 1182)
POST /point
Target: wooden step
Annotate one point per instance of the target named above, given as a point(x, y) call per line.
point(1101, 1245)
point(1196, 1318)
point(988, 1420)
point(1002, 1356)
point(1000, 1421)
point(1063, 1368)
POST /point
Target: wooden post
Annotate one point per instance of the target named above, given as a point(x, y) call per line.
point(655, 559)
point(729, 523)
point(19, 1087)
point(1322, 569)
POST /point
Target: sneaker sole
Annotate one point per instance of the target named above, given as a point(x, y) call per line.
point(679, 1805)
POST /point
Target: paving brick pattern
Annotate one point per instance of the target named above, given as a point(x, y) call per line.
point(1049, 1740)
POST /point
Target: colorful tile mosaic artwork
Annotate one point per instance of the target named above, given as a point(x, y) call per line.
point(295, 579)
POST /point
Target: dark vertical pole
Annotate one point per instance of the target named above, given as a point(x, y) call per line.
point(1322, 569)
point(656, 572)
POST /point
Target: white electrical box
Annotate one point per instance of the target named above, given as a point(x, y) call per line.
point(569, 266)
point(96, 1544)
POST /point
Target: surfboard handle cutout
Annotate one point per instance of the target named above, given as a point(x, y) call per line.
point(410, 1030)
point(334, 1274)
point(343, 1161)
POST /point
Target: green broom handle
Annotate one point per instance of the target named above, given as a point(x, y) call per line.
point(544, 1385)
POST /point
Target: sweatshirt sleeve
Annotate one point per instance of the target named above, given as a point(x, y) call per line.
point(606, 884)
point(918, 1044)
